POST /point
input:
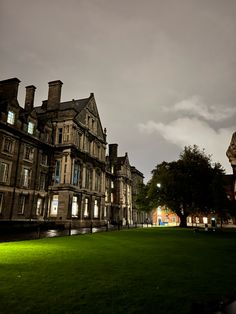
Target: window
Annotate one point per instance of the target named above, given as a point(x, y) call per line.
point(66, 136)
point(59, 135)
point(29, 153)
point(88, 178)
point(11, 117)
point(39, 208)
point(105, 211)
point(44, 159)
point(1, 202)
point(30, 128)
point(26, 177)
point(57, 171)
point(42, 181)
point(21, 207)
point(97, 181)
point(106, 196)
point(112, 197)
point(75, 210)
point(112, 184)
point(4, 171)
point(112, 169)
point(8, 145)
point(76, 174)
point(95, 210)
point(86, 213)
point(54, 206)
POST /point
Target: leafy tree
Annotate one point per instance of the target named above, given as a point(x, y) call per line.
point(188, 185)
point(142, 200)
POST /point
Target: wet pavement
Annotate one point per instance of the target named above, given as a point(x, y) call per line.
point(39, 234)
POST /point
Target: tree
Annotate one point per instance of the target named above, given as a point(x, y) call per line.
point(188, 185)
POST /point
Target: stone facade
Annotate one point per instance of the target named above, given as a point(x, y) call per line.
point(53, 162)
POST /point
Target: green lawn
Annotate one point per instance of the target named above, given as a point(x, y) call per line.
point(154, 270)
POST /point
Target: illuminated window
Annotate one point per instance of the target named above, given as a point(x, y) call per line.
point(106, 196)
point(54, 206)
point(4, 171)
point(112, 169)
point(86, 213)
point(112, 184)
point(30, 128)
point(11, 117)
point(8, 145)
point(1, 202)
point(95, 210)
point(26, 177)
point(112, 197)
point(105, 211)
point(39, 207)
point(74, 210)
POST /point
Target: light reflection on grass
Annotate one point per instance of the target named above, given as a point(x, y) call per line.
point(133, 271)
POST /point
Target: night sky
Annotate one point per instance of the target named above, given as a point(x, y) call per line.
point(163, 71)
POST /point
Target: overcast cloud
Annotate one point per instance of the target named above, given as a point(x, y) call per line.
point(163, 72)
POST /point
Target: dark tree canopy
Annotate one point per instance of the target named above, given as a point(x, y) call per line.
point(189, 185)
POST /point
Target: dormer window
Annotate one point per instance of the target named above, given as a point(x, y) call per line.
point(11, 117)
point(31, 128)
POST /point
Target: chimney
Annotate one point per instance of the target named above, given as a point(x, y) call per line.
point(9, 88)
point(113, 149)
point(29, 97)
point(54, 93)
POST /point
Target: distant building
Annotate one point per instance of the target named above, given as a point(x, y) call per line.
point(53, 162)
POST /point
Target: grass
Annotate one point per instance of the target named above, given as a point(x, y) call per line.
point(154, 270)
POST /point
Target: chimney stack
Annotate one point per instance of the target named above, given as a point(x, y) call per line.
point(54, 93)
point(9, 88)
point(113, 149)
point(29, 97)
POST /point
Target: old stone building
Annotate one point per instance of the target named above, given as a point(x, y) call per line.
point(118, 187)
point(53, 162)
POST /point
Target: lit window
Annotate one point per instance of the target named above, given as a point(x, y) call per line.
point(4, 171)
point(31, 128)
point(112, 169)
point(11, 117)
point(54, 206)
point(75, 210)
point(105, 211)
point(26, 177)
point(1, 202)
point(39, 206)
point(106, 196)
point(86, 207)
point(112, 197)
point(112, 184)
point(8, 145)
point(95, 211)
